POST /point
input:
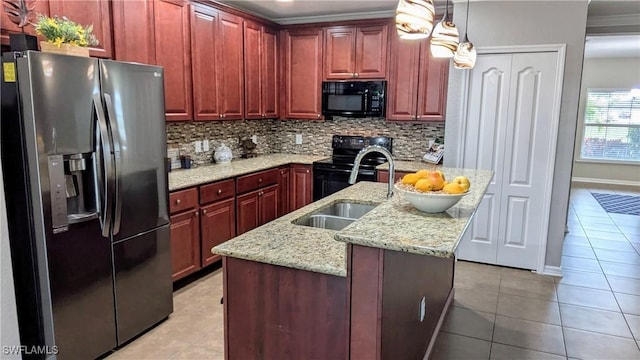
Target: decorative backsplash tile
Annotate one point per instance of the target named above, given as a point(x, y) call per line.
point(276, 136)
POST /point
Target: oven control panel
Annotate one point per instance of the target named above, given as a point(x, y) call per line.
point(360, 142)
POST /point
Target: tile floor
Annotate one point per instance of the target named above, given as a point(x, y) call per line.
point(592, 312)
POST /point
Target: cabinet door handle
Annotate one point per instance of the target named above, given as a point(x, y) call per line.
point(307, 171)
point(259, 180)
point(219, 191)
point(197, 214)
point(260, 193)
point(220, 115)
point(204, 212)
point(418, 116)
point(357, 75)
point(178, 201)
point(318, 116)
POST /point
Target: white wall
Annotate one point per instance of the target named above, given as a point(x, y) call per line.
point(502, 23)
point(606, 73)
point(8, 316)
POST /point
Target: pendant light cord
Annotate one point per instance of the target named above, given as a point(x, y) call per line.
point(466, 24)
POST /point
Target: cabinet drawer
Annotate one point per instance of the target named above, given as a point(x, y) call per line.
point(257, 180)
point(183, 200)
point(217, 191)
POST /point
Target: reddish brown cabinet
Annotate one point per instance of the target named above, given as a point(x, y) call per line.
point(355, 52)
point(185, 243)
point(133, 31)
point(260, 71)
point(173, 52)
point(284, 181)
point(257, 208)
point(417, 88)
point(218, 224)
point(302, 73)
point(301, 186)
point(383, 175)
point(89, 12)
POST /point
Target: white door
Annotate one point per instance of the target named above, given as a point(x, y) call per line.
point(510, 129)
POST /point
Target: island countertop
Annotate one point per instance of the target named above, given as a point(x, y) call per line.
point(393, 225)
point(185, 178)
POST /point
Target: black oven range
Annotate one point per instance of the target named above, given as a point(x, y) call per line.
point(332, 174)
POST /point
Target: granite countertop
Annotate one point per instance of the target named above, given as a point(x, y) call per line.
point(393, 225)
point(185, 178)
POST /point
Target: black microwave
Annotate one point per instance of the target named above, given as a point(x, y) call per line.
point(353, 98)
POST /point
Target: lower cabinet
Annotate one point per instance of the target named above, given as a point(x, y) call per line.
point(217, 224)
point(257, 208)
point(301, 186)
point(285, 191)
point(383, 175)
point(185, 243)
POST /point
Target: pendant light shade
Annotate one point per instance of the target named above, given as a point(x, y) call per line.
point(414, 18)
point(465, 56)
point(445, 37)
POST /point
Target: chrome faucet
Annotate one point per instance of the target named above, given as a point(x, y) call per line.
point(383, 151)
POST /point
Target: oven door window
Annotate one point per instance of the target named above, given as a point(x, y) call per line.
point(345, 102)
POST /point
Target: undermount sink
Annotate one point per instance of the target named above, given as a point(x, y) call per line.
point(335, 216)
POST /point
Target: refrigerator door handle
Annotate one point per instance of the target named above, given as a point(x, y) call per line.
point(105, 140)
point(115, 137)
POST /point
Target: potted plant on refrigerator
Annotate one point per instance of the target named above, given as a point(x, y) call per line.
point(64, 36)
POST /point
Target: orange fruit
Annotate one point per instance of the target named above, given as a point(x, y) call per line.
point(453, 188)
point(424, 185)
point(441, 174)
point(410, 179)
point(424, 173)
point(436, 181)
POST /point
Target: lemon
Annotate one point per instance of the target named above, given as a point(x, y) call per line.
point(424, 185)
point(410, 179)
point(424, 173)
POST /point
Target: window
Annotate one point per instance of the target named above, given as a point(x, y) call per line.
point(611, 125)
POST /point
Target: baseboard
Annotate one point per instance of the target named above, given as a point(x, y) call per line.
point(605, 181)
point(552, 270)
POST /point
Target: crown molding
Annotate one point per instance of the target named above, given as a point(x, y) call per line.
point(336, 17)
point(613, 20)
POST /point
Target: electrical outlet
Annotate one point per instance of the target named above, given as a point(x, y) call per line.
point(198, 146)
point(205, 145)
point(423, 308)
point(298, 139)
point(254, 138)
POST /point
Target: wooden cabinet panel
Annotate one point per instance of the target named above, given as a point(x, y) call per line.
point(230, 80)
point(173, 44)
point(257, 180)
point(285, 190)
point(6, 26)
point(133, 33)
point(252, 70)
point(269, 198)
point(301, 186)
point(403, 79)
point(205, 63)
point(371, 52)
point(185, 244)
point(270, 83)
point(248, 212)
point(89, 12)
point(434, 76)
point(217, 191)
point(302, 73)
point(218, 224)
point(339, 55)
point(183, 200)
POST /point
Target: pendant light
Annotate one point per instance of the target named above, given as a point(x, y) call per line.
point(465, 56)
point(445, 38)
point(414, 18)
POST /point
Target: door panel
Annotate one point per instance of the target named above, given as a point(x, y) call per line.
point(248, 211)
point(143, 286)
point(270, 83)
point(230, 60)
point(218, 224)
point(371, 52)
point(434, 76)
point(133, 34)
point(302, 53)
point(339, 53)
point(185, 244)
point(253, 70)
point(136, 93)
point(269, 204)
point(403, 79)
point(205, 63)
point(95, 12)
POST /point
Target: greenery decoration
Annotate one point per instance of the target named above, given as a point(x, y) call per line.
point(64, 31)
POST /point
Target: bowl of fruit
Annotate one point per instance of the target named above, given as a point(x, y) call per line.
point(429, 191)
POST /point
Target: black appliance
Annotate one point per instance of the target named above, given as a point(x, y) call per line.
point(332, 175)
point(353, 98)
point(83, 158)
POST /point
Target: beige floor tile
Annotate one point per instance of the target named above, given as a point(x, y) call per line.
point(475, 300)
point(529, 309)
point(213, 340)
point(506, 352)
point(606, 235)
point(584, 279)
point(590, 219)
point(629, 304)
point(624, 219)
point(451, 346)
point(589, 345)
point(529, 335)
point(198, 353)
point(472, 266)
point(624, 285)
point(580, 296)
point(634, 324)
point(618, 256)
point(541, 290)
point(580, 264)
point(589, 319)
point(576, 239)
point(620, 269)
point(479, 281)
point(617, 245)
point(576, 230)
point(510, 273)
point(609, 226)
point(475, 324)
point(578, 251)
point(634, 238)
point(630, 229)
point(150, 347)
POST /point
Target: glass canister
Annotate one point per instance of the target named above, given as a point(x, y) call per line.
point(222, 154)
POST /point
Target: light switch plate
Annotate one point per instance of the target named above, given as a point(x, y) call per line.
point(205, 145)
point(254, 138)
point(298, 139)
point(198, 146)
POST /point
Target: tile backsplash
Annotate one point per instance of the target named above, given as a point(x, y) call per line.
point(275, 136)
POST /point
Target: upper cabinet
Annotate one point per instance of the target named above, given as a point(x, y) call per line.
point(417, 87)
point(260, 71)
point(173, 52)
point(133, 32)
point(42, 7)
point(302, 53)
point(355, 52)
point(89, 12)
point(217, 53)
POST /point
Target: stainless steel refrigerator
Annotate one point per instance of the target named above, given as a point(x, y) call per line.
point(83, 156)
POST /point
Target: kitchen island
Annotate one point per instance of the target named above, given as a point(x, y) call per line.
point(377, 289)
